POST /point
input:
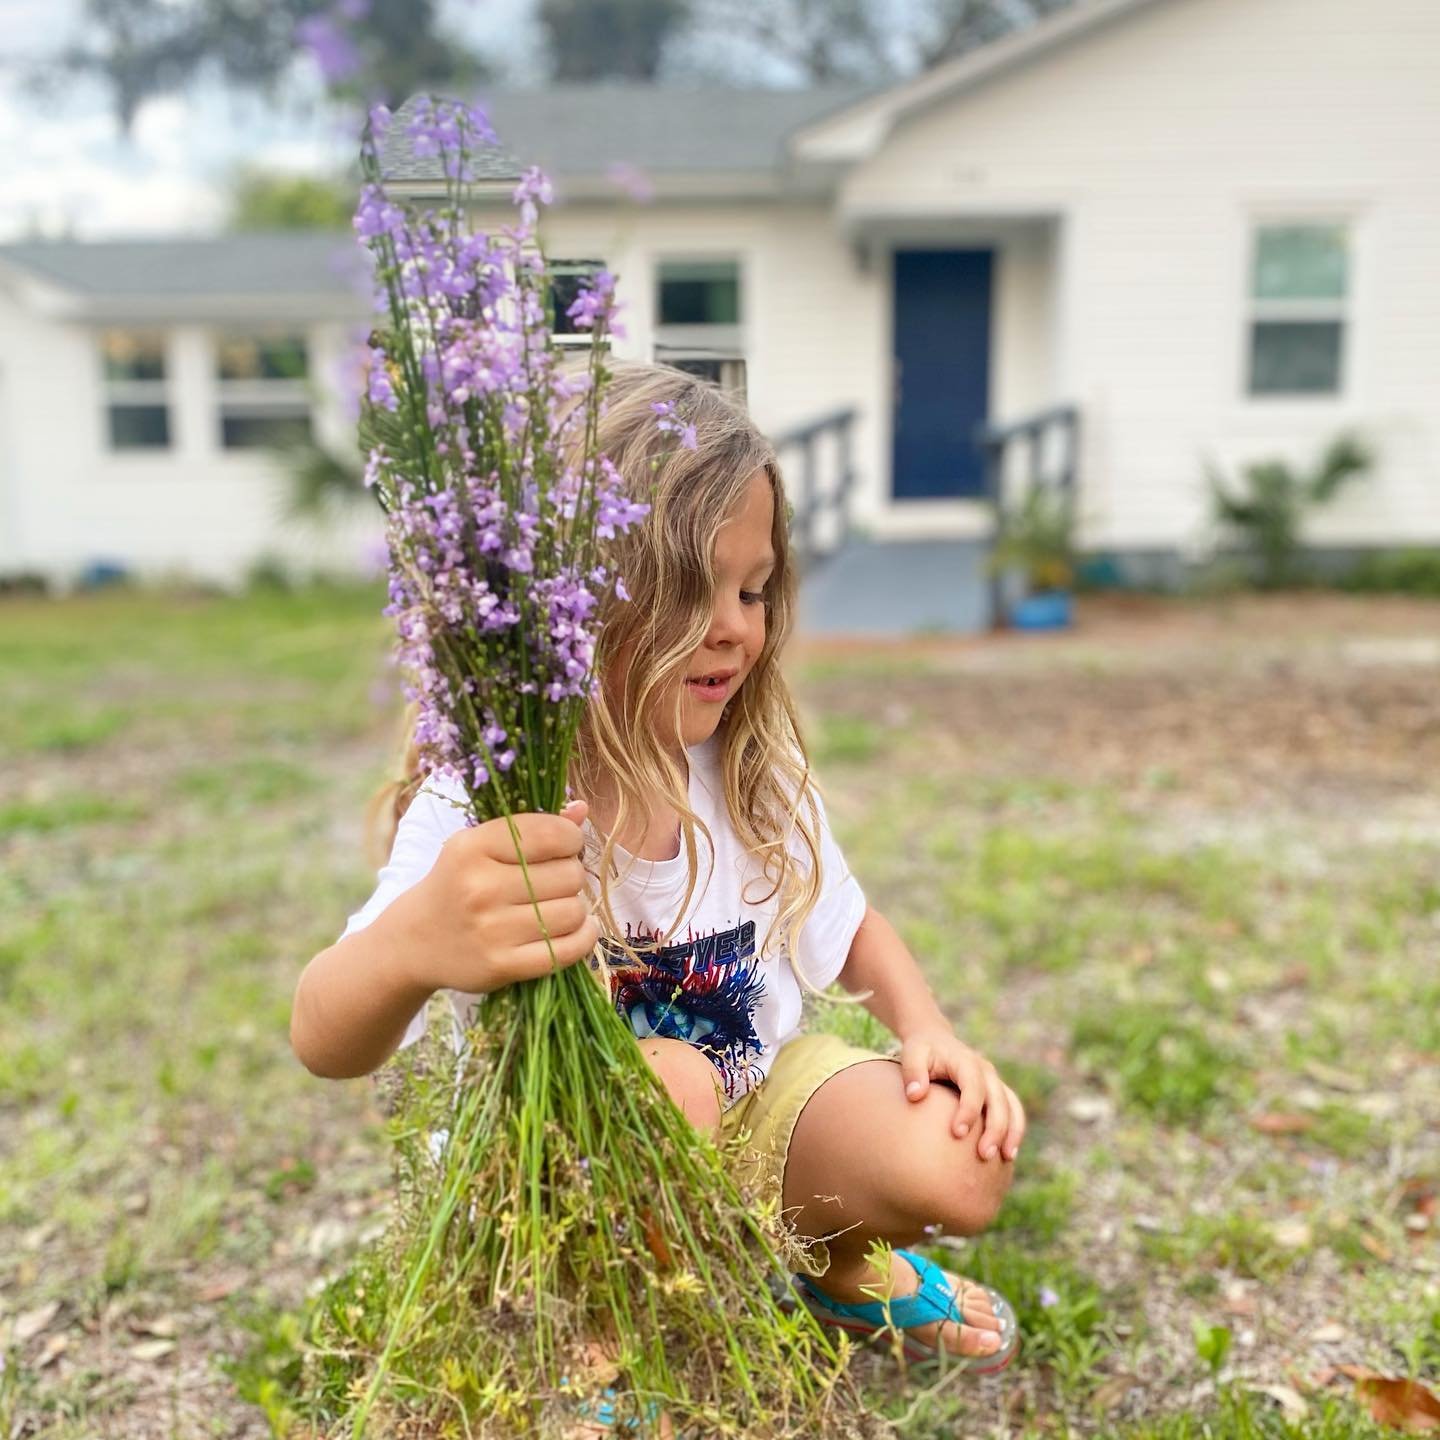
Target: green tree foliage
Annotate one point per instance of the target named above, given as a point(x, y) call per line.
point(826, 41)
point(609, 39)
point(958, 26)
point(266, 200)
point(1267, 513)
point(142, 48)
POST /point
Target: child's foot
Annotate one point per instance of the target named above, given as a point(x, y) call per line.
point(596, 1415)
point(978, 1336)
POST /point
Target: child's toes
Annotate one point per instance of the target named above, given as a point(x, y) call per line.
point(969, 1339)
point(973, 1303)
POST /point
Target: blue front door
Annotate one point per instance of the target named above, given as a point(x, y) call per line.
point(942, 371)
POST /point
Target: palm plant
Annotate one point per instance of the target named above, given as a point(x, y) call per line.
point(1268, 515)
point(1038, 540)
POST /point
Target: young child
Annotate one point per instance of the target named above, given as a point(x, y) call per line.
point(699, 857)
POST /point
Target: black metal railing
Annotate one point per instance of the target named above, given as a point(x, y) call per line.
point(1033, 431)
point(817, 492)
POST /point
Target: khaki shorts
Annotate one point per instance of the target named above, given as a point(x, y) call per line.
point(755, 1131)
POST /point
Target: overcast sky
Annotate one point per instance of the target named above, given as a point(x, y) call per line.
point(64, 169)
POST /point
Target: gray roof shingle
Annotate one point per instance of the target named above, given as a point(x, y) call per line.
point(264, 264)
point(582, 130)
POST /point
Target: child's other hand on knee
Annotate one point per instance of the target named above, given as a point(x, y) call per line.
point(938, 1053)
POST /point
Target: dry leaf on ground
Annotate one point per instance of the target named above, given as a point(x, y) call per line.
point(1406, 1404)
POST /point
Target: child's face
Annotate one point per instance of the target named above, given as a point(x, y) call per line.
point(744, 559)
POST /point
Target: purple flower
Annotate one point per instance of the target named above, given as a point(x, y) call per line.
point(332, 49)
point(495, 533)
point(595, 302)
point(534, 188)
point(1048, 1298)
point(670, 423)
point(632, 180)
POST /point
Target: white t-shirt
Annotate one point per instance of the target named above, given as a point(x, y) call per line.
point(736, 1005)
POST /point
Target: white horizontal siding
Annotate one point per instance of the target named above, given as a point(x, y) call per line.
point(191, 508)
point(1161, 139)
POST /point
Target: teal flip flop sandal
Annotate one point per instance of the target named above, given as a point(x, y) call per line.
point(934, 1300)
point(603, 1413)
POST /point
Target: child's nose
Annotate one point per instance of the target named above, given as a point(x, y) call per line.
point(727, 623)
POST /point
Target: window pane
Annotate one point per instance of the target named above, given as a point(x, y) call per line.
point(139, 427)
point(728, 373)
point(258, 357)
point(567, 279)
point(249, 430)
point(699, 292)
point(1300, 262)
point(133, 355)
point(1295, 357)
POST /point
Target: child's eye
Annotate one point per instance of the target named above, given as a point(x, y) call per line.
point(752, 597)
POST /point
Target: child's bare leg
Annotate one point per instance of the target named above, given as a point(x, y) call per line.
point(866, 1161)
point(690, 1078)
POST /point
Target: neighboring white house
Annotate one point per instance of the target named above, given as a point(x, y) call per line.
point(142, 385)
point(1199, 228)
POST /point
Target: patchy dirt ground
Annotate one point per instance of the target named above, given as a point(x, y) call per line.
point(1176, 870)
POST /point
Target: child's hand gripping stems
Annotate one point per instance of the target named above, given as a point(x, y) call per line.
point(488, 920)
point(470, 925)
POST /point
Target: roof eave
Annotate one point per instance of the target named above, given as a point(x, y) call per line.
point(794, 182)
point(162, 309)
point(858, 132)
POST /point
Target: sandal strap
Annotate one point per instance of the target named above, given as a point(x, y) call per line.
point(933, 1301)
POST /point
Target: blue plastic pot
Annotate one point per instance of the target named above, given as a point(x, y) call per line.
point(1049, 610)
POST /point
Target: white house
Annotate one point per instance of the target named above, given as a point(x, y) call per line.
point(1162, 231)
point(1201, 228)
point(142, 385)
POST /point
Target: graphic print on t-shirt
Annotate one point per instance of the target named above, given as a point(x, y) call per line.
point(703, 990)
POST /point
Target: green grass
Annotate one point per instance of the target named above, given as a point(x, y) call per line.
point(181, 784)
point(1154, 1059)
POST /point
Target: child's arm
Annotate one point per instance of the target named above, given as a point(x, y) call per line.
point(468, 923)
point(355, 999)
point(880, 961)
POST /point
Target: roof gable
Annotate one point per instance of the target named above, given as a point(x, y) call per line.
point(860, 129)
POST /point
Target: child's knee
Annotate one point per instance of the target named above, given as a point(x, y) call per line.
point(689, 1077)
point(963, 1191)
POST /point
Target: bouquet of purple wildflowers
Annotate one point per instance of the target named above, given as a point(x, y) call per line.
point(571, 1196)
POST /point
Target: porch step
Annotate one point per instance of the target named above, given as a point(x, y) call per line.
point(897, 587)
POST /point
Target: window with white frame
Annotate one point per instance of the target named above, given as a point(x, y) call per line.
point(137, 398)
point(263, 383)
point(1299, 289)
point(567, 279)
point(698, 319)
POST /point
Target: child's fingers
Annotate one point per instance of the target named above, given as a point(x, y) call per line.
point(970, 1078)
point(1011, 1145)
point(533, 960)
point(997, 1120)
point(549, 879)
point(542, 837)
point(915, 1068)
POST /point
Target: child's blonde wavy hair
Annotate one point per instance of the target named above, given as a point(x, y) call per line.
point(667, 562)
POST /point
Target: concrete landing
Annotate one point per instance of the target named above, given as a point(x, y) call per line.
point(897, 587)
